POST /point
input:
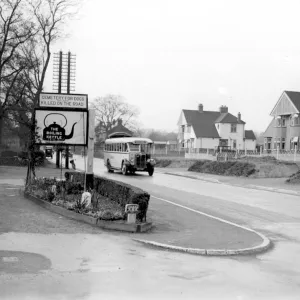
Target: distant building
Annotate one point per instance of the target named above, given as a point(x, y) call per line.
point(283, 131)
point(210, 129)
point(163, 145)
point(119, 131)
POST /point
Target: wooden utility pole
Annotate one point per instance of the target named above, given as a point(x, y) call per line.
point(64, 69)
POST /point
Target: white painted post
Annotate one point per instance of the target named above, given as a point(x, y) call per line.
point(207, 152)
point(226, 156)
point(260, 151)
point(153, 148)
point(295, 152)
point(277, 154)
point(90, 154)
point(166, 149)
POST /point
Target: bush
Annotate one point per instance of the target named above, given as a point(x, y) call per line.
point(9, 153)
point(229, 168)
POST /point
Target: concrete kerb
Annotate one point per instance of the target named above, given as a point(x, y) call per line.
point(264, 246)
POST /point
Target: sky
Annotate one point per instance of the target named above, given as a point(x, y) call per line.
point(167, 55)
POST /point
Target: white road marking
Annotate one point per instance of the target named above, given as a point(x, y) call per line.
point(207, 215)
point(10, 259)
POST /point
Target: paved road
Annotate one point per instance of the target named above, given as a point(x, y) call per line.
point(85, 265)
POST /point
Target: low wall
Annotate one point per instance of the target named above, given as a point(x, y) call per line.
point(117, 191)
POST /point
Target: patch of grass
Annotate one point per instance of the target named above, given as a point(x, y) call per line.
point(294, 179)
point(162, 163)
point(228, 168)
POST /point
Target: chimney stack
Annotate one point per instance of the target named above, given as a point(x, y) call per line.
point(223, 109)
point(200, 108)
point(239, 117)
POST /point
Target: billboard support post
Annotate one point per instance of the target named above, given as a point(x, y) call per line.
point(90, 153)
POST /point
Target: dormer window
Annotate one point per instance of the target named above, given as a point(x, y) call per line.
point(233, 128)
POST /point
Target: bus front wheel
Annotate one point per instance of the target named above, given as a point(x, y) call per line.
point(124, 169)
point(150, 171)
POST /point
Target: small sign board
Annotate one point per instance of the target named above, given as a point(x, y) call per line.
point(61, 127)
point(131, 208)
point(71, 101)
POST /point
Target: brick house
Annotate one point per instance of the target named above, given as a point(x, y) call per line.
point(210, 129)
point(283, 131)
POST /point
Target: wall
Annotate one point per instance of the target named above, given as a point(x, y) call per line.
point(224, 131)
point(250, 144)
point(207, 143)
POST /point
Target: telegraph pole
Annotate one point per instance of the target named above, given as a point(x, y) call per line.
point(64, 68)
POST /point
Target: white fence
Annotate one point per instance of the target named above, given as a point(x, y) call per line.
point(292, 155)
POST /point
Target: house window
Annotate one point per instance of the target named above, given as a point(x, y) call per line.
point(295, 121)
point(282, 143)
point(283, 122)
point(234, 144)
point(278, 122)
point(182, 128)
point(233, 127)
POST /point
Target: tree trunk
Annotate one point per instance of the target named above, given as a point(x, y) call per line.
point(1, 123)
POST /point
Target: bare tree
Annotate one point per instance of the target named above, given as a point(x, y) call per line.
point(110, 108)
point(49, 17)
point(15, 31)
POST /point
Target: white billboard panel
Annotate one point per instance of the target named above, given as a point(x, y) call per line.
point(63, 101)
point(61, 127)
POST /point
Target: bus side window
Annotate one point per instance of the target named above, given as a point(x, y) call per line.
point(123, 147)
point(126, 147)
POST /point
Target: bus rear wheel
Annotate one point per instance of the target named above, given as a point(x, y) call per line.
point(108, 166)
point(124, 169)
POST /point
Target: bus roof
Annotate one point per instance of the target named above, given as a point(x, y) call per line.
point(134, 140)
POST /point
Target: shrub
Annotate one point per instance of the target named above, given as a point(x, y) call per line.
point(8, 153)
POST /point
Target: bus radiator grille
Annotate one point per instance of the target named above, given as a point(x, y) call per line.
point(141, 161)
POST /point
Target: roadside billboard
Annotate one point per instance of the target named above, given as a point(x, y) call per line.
point(61, 127)
point(68, 101)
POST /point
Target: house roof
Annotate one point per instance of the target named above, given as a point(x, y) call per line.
point(203, 123)
point(229, 118)
point(270, 130)
point(249, 135)
point(295, 98)
point(119, 130)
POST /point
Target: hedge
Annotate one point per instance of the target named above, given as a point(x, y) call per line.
point(117, 191)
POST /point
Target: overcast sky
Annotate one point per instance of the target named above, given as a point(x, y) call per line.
point(168, 55)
